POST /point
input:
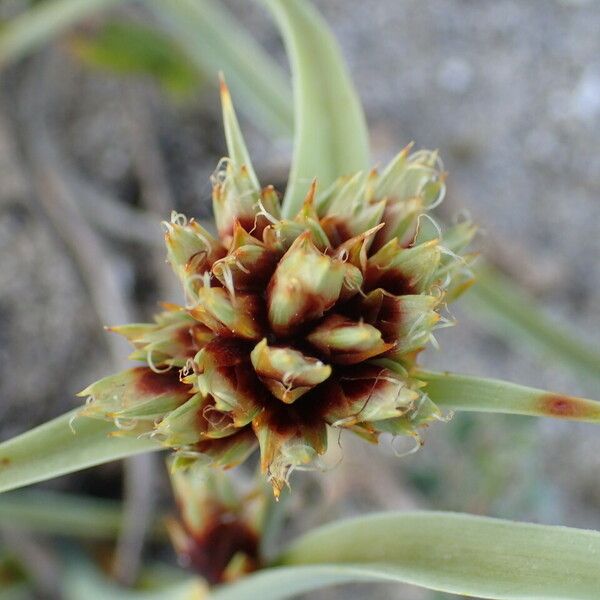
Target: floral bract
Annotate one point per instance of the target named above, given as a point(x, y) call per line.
point(294, 325)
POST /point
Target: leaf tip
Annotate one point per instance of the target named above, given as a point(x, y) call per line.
point(224, 90)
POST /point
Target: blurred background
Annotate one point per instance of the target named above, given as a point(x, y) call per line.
point(107, 125)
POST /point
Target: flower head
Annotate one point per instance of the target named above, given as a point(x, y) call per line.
point(293, 326)
point(218, 529)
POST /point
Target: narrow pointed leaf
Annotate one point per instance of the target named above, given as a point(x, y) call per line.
point(44, 511)
point(37, 26)
point(53, 449)
point(461, 554)
point(127, 48)
point(63, 514)
point(509, 312)
point(210, 35)
point(236, 146)
point(330, 136)
point(475, 394)
point(215, 41)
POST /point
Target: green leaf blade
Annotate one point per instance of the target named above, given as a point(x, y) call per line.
point(236, 145)
point(128, 48)
point(54, 449)
point(476, 394)
point(68, 515)
point(62, 514)
point(331, 137)
point(33, 28)
point(461, 554)
point(215, 41)
point(278, 583)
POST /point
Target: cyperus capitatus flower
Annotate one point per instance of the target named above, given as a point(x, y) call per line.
point(218, 530)
point(293, 325)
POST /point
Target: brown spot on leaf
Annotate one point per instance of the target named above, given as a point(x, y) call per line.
point(568, 407)
point(5, 461)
